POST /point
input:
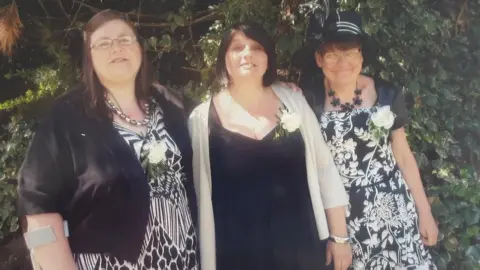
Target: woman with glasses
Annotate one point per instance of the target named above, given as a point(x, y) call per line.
point(106, 181)
point(362, 121)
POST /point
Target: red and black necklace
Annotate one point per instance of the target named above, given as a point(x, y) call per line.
point(347, 106)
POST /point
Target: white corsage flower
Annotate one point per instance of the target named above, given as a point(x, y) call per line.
point(380, 122)
point(156, 153)
point(383, 117)
point(154, 159)
point(290, 121)
point(287, 122)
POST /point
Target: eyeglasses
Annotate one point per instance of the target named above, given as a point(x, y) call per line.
point(333, 58)
point(107, 43)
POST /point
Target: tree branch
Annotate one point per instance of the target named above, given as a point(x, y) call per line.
point(139, 9)
point(63, 9)
point(94, 9)
point(206, 16)
point(133, 14)
point(75, 17)
point(210, 17)
point(460, 14)
point(43, 8)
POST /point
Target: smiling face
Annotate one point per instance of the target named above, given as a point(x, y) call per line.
point(340, 63)
point(115, 53)
point(245, 58)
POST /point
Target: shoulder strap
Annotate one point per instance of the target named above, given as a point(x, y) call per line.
point(386, 92)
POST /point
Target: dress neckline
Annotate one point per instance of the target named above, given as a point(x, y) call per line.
point(153, 119)
point(375, 104)
point(215, 119)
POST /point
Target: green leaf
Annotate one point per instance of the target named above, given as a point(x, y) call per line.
point(170, 16)
point(442, 259)
point(179, 20)
point(472, 216)
point(166, 42)
point(451, 243)
point(473, 254)
point(153, 42)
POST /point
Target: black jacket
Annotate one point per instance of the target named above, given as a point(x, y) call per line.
point(79, 166)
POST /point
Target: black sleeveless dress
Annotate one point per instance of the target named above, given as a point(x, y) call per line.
point(261, 202)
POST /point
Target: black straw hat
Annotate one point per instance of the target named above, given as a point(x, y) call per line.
point(340, 26)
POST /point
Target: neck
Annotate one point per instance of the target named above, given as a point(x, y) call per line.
point(123, 94)
point(343, 90)
point(248, 94)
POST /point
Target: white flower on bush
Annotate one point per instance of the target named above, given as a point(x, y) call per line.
point(383, 117)
point(290, 121)
point(156, 153)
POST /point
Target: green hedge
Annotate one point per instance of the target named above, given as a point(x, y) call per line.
point(431, 48)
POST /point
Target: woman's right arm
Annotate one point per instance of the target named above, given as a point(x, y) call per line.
point(53, 256)
point(334, 196)
point(42, 187)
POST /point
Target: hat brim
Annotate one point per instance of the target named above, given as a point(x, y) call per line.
point(342, 37)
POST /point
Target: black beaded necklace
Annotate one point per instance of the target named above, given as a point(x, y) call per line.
point(127, 118)
point(347, 106)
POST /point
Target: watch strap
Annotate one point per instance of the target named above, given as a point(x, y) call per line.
point(339, 240)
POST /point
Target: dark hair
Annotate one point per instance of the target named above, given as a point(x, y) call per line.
point(341, 45)
point(94, 90)
point(257, 33)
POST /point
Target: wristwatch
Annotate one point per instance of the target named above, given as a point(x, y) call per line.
point(339, 240)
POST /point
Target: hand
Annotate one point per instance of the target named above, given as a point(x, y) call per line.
point(292, 86)
point(341, 254)
point(428, 228)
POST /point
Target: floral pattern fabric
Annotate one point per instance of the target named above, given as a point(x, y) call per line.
point(382, 218)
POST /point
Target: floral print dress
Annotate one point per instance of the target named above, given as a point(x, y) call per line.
point(382, 218)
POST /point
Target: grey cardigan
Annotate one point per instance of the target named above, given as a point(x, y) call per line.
point(326, 187)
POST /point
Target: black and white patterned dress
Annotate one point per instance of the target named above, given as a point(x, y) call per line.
point(382, 218)
point(170, 240)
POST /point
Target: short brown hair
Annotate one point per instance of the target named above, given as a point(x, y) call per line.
point(94, 90)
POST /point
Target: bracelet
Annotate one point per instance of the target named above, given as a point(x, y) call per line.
point(339, 240)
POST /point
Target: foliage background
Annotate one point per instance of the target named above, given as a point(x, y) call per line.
point(428, 47)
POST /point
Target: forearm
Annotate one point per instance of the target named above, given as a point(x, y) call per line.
point(52, 256)
point(337, 223)
point(409, 169)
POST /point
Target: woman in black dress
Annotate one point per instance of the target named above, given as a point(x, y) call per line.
point(113, 160)
point(362, 121)
point(258, 153)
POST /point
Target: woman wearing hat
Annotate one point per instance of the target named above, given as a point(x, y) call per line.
point(362, 121)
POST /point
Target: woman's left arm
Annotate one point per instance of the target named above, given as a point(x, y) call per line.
point(409, 169)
